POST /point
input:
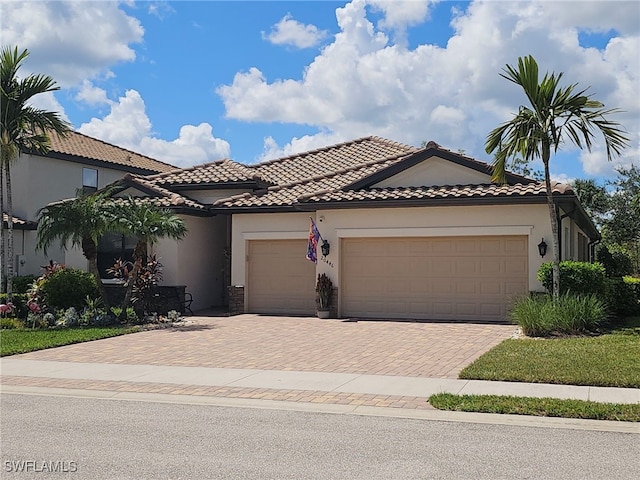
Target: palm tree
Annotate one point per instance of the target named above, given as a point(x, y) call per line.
point(79, 222)
point(23, 128)
point(556, 114)
point(148, 224)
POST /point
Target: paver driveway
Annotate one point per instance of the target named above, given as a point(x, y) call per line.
point(436, 350)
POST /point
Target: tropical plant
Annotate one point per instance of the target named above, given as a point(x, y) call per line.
point(324, 288)
point(80, 222)
point(148, 223)
point(149, 276)
point(23, 128)
point(556, 115)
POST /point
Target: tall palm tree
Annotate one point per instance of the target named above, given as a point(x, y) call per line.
point(148, 223)
point(23, 128)
point(555, 115)
point(79, 222)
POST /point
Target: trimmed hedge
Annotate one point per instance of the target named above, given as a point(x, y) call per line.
point(577, 277)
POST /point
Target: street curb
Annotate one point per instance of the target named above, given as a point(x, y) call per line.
point(429, 415)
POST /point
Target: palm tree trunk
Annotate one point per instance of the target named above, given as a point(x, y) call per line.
point(2, 233)
point(9, 235)
point(554, 223)
point(90, 251)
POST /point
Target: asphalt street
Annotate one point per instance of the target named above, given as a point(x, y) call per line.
point(90, 438)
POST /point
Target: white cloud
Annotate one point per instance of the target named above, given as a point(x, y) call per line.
point(92, 95)
point(291, 32)
point(128, 126)
point(363, 83)
point(71, 41)
point(272, 150)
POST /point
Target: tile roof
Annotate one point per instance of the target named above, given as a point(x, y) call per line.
point(436, 192)
point(328, 160)
point(20, 223)
point(222, 171)
point(83, 147)
point(322, 176)
point(156, 194)
point(288, 194)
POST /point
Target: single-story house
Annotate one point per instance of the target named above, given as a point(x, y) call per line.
point(75, 162)
point(418, 233)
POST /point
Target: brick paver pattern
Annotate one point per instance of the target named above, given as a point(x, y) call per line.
point(435, 350)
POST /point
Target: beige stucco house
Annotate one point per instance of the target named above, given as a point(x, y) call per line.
point(73, 163)
point(417, 233)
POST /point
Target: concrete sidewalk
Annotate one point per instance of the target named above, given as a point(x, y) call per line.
point(296, 386)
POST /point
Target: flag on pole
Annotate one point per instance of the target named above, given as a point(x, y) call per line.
point(312, 244)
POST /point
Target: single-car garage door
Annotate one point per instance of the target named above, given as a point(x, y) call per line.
point(443, 278)
point(281, 279)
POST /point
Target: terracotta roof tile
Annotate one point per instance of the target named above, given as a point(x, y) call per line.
point(160, 196)
point(437, 192)
point(19, 222)
point(328, 160)
point(222, 171)
point(78, 145)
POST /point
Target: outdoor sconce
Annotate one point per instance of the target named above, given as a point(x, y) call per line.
point(542, 248)
point(325, 248)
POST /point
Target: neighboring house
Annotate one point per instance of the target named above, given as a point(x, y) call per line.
point(74, 163)
point(414, 232)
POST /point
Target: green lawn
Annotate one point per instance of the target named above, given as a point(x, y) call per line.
point(611, 360)
point(544, 407)
point(27, 340)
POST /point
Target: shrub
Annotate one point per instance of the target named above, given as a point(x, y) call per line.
point(623, 296)
point(540, 315)
point(22, 283)
point(67, 288)
point(578, 277)
point(616, 263)
point(10, 323)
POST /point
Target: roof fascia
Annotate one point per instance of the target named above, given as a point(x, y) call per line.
point(269, 209)
point(423, 202)
point(575, 211)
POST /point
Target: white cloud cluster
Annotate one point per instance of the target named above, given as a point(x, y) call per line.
point(76, 43)
point(127, 125)
point(71, 41)
point(363, 83)
point(291, 32)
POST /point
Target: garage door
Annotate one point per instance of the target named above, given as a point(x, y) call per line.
point(447, 278)
point(281, 279)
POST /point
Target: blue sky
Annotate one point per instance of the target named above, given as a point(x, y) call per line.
point(192, 82)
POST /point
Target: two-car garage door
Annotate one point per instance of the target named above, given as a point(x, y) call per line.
point(448, 278)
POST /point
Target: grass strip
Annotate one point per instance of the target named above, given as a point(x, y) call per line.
point(609, 360)
point(541, 407)
point(27, 340)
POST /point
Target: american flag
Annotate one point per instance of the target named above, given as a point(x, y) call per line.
point(312, 245)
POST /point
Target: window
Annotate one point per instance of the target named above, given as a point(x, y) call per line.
point(89, 180)
point(112, 247)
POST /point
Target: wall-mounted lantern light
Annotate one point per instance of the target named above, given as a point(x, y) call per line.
point(542, 248)
point(325, 248)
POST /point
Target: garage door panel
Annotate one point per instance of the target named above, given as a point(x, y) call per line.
point(464, 278)
point(280, 279)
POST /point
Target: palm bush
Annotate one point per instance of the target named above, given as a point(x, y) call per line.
point(541, 315)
